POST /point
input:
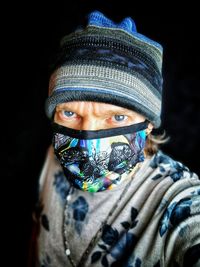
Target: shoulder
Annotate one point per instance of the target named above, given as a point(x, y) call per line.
point(180, 221)
point(182, 187)
point(166, 165)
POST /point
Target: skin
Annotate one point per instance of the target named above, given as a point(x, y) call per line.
point(82, 115)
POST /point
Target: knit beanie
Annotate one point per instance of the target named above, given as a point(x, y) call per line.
point(110, 63)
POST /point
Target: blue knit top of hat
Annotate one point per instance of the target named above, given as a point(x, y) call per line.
point(98, 19)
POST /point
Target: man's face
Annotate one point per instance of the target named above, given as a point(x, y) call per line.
point(83, 115)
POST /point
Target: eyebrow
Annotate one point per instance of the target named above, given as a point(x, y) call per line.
point(105, 110)
point(121, 111)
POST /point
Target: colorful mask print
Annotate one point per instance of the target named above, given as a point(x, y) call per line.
point(96, 164)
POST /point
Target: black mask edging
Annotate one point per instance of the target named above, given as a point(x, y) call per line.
point(102, 133)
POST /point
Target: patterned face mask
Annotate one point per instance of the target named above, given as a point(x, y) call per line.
point(98, 160)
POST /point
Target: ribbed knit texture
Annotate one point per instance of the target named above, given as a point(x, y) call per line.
point(109, 63)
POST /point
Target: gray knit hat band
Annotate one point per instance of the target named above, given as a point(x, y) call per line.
point(103, 84)
point(109, 65)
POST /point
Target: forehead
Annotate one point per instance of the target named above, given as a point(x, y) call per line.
point(98, 109)
point(94, 106)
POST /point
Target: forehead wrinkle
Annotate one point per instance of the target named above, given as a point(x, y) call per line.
point(96, 108)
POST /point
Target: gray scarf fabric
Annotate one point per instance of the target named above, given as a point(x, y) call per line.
point(151, 219)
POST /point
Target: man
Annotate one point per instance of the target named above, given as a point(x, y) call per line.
point(108, 195)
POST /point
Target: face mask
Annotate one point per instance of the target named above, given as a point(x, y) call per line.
point(98, 160)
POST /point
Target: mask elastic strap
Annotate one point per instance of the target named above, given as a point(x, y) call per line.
point(102, 133)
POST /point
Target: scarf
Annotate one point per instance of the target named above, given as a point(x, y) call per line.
point(155, 222)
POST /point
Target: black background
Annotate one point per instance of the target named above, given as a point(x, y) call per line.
point(30, 36)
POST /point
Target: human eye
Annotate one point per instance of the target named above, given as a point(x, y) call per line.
point(68, 113)
point(119, 118)
point(67, 117)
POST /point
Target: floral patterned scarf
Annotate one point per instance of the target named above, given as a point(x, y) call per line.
point(152, 219)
